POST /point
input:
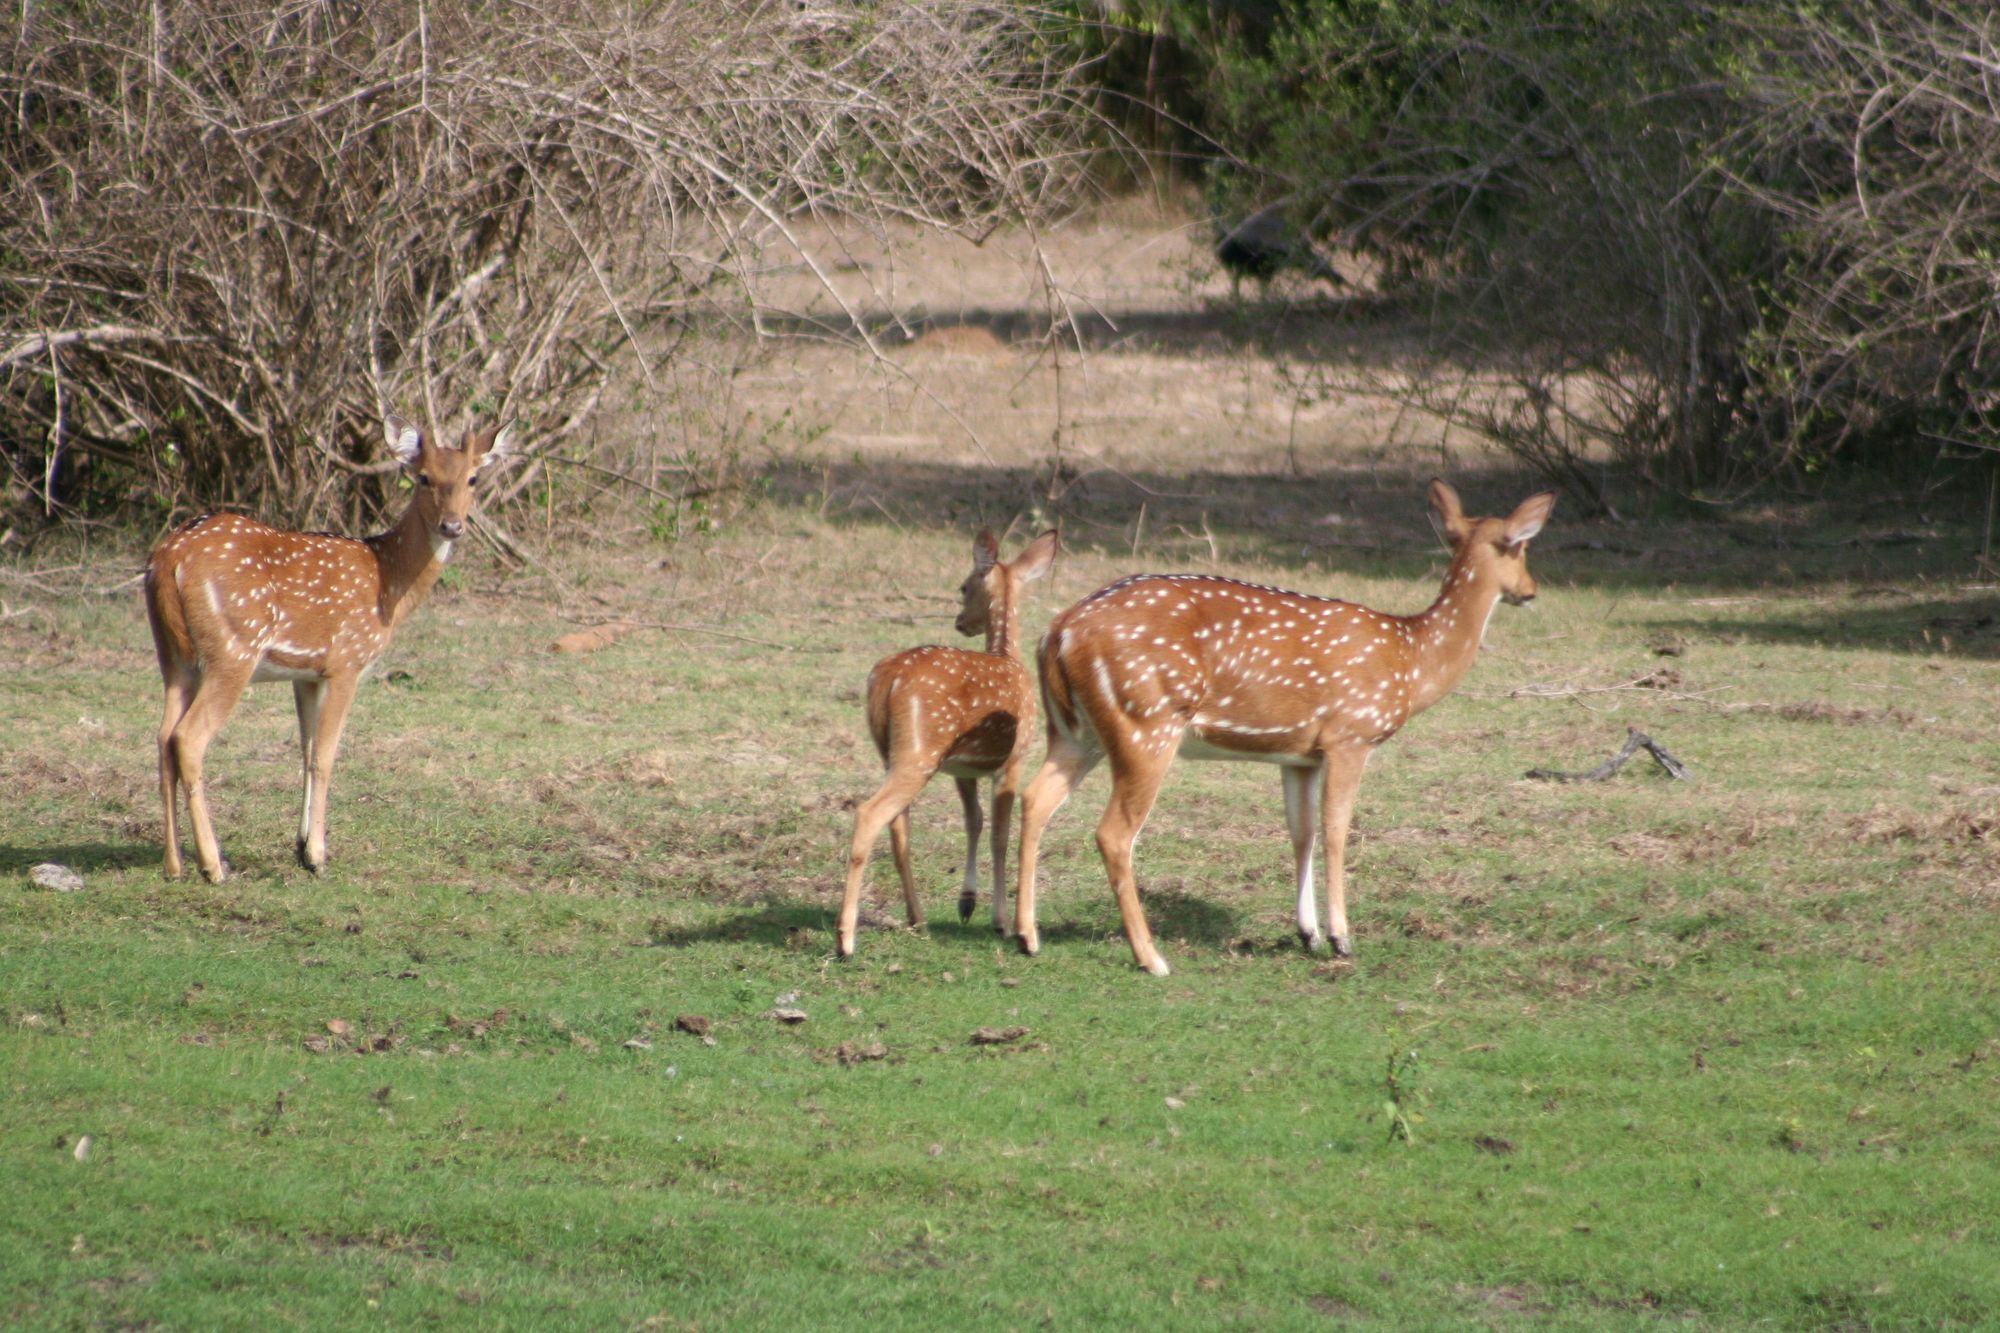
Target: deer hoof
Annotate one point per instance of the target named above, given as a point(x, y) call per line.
point(1158, 967)
point(1343, 947)
point(966, 902)
point(1030, 944)
point(1311, 941)
point(221, 872)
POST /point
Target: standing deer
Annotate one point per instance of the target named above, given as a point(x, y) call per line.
point(232, 601)
point(1212, 668)
point(968, 714)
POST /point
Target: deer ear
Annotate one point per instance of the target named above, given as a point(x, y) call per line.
point(1035, 558)
point(1447, 516)
point(499, 444)
point(985, 551)
point(1527, 520)
point(406, 442)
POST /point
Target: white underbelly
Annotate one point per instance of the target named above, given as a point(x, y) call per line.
point(1194, 747)
point(269, 670)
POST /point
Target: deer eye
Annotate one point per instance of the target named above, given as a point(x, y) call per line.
point(423, 479)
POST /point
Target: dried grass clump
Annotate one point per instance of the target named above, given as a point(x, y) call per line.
point(230, 235)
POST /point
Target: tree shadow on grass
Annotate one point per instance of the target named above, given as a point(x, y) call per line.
point(83, 857)
point(1965, 628)
point(1371, 520)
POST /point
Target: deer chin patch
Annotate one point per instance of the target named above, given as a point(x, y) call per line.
point(440, 546)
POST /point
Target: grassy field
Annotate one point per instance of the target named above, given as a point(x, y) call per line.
point(1721, 1051)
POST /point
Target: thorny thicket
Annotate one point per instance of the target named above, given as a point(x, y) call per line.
point(230, 237)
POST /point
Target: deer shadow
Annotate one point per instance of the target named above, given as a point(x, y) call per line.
point(82, 857)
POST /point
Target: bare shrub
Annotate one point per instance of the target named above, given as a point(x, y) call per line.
point(230, 235)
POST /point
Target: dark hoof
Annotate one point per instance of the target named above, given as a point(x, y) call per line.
point(1310, 943)
point(967, 902)
point(1342, 947)
point(222, 872)
point(1028, 946)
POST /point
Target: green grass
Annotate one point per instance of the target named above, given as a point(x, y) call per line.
point(1722, 1051)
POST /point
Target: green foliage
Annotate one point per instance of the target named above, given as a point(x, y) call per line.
point(1717, 242)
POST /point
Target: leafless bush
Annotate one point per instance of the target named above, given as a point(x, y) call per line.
point(230, 235)
point(1878, 147)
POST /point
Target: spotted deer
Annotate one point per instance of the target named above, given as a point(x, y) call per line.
point(232, 601)
point(1162, 664)
point(968, 714)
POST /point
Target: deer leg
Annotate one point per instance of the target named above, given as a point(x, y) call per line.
point(899, 844)
point(1006, 786)
point(968, 798)
point(1342, 780)
point(308, 698)
point(898, 789)
point(1135, 784)
point(1065, 766)
point(1302, 798)
point(336, 697)
point(181, 687)
point(215, 697)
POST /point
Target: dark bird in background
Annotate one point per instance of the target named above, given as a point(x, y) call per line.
point(1264, 244)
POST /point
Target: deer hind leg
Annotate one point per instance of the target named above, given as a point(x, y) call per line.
point(308, 699)
point(1065, 766)
point(898, 789)
point(181, 686)
point(220, 688)
point(336, 697)
point(1302, 800)
point(1006, 786)
point(1342, 779)
point(899, 845)
point(968, 798)
point(1135, 777)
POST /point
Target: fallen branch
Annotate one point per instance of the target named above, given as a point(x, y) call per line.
point(1635, 740)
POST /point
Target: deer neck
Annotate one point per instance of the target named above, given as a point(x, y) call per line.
point(411, 557)
point(1003, 624)
point(1448, 634)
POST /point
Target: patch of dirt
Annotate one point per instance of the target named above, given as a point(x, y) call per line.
point(1937, 827)
point(1818, 710)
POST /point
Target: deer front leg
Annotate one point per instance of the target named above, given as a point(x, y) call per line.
point(968, 893)
point(1302, 798)
point(1342, 780)
point(336, 697)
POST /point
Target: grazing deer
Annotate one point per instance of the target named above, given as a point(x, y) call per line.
point(968, 714)
point(1164, 664)
point(232, 601)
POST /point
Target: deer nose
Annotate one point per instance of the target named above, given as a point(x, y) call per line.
point(451, 529)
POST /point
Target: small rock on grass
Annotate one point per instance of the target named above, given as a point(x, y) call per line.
point(855, 1052)
point(997, 1036)
point(789, 1016)
point(62, 879)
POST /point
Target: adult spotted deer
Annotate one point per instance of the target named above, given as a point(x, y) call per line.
point(1164, 664)
point(965, 713)
point(232, 601)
